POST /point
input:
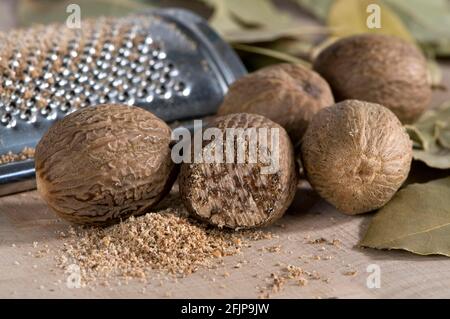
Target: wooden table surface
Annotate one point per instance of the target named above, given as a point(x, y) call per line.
point(27, 226)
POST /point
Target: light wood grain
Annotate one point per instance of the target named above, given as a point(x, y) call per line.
point(25, 219)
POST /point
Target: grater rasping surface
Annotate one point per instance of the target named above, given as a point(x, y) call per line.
point(167, 61)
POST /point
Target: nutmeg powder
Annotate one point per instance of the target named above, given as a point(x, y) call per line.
point(166, 241)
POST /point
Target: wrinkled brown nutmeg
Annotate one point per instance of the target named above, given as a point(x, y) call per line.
point(105, 163)
point(356, 155)
point(380, 69)
point(242, 194)
point(288, 94)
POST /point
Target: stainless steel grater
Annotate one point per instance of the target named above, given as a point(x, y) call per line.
point(168, 61)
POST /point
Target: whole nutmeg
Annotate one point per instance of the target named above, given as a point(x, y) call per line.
point(242, 193)
point(105, 163)
point(356, 155)
point(288, 94)
point(380, 69)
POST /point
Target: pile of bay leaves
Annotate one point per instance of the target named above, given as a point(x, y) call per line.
point(266, 32)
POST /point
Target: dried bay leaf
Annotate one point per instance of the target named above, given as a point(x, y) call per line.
point(423, 131)
point(256, 35)
point(431, 137)
point(317, 8)
point(428, 21)
point(257, 21)
point(443, 133)
point(221, 19)
point(299, 48)
point(436, 157)
point(417, 219)
point(256, 57)
point(349, 17)
point(416, 136)
point(258, 13)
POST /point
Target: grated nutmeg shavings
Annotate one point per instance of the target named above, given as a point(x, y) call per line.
point(166, 241)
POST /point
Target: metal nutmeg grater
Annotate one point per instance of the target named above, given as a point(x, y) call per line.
point(168, 61)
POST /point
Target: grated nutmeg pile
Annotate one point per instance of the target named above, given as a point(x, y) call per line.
point(165, 241)
point(290, 273)
point(9, 157)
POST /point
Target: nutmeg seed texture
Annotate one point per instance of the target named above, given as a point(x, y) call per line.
point(102, 164)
